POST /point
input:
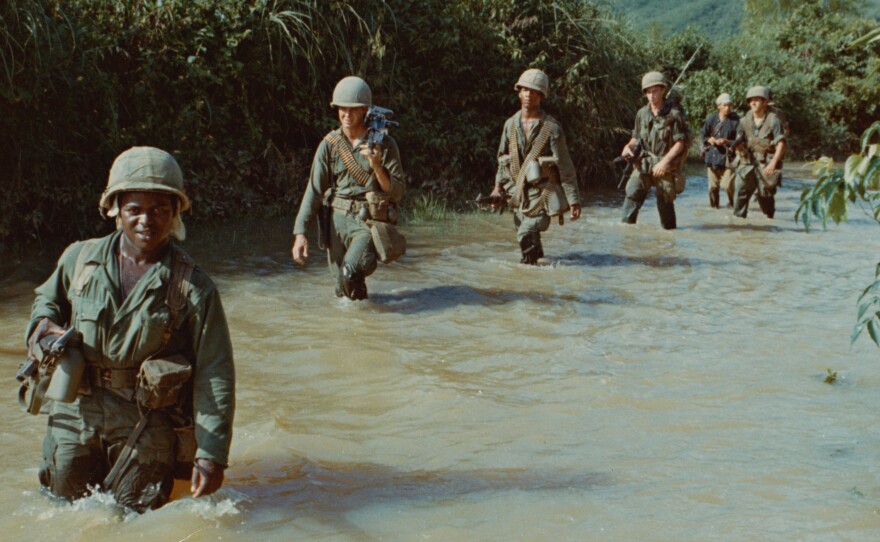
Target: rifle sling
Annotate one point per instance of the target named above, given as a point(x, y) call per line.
point(127, 454)
point(354, 169)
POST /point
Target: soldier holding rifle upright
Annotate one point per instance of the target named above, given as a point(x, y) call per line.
point(660, 134)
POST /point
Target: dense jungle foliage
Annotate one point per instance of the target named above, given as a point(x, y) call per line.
point(239, 90)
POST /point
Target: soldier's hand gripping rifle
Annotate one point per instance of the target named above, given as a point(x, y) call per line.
point(630, 162)
point(377, 125)
point(498, 201)
point(36, 375)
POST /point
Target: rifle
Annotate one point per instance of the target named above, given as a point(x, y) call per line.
point(35, 375)
point(495, 200)
point(630, 162)
point(377, 125)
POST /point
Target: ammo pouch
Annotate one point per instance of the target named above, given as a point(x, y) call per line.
point(161, 381)
point(381, 208)
point(390, 244)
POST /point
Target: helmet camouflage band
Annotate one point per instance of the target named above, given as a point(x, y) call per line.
point(144, 169)
point(534, 79)
point(652, 79)
point(758, 92)
point(352, 91)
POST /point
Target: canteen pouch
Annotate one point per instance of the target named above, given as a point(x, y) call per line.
point(378, 204)
point(390, 244)
point(161, 381)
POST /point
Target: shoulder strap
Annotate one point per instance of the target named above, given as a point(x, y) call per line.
point(175, 298)
point(351, 165)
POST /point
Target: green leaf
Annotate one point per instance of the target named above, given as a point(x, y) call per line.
point(874, 331)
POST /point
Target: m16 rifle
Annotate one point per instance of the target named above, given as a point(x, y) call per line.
point(630, 162)
point(377, 125)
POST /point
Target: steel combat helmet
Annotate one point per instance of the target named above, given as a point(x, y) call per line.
point(758, 91)
point(534, 79)
point(144, 169)
point(652, 79)
point(352, 91)
point(723, 98)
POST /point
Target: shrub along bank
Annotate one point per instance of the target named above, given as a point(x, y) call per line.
point(239, 91)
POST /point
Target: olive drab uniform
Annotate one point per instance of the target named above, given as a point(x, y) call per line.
point(761, 140)
point(84, 437)
point(657, 134)
point(533, 199)
point(352, 253)
point(719, 162)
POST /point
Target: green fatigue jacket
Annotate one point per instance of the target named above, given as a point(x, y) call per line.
point(122, 335)
point(658, 133)
point(556, 148)
point(761, 141)
point(328, 171)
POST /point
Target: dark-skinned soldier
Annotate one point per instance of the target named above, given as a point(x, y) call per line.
point(661, 131)
point(138, 301)
point(759, 158)
point(344, 172)
point(534, 167)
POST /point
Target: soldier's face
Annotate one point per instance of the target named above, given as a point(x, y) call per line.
point(758, 105)
point(147, 218)
point(655, 94)
point(725, 109)
point(530, 99)
point(352, 117)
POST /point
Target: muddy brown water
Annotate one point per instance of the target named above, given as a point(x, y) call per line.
point(639, 385)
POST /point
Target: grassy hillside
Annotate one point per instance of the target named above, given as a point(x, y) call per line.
point(709, 16)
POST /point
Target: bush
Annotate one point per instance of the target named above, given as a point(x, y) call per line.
point(238, 92)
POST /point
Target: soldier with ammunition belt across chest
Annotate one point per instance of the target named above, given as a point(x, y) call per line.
point(760, 145)
point(534, 167)
point(356, 189)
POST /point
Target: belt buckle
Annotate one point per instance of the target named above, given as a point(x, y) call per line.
point(105, 377)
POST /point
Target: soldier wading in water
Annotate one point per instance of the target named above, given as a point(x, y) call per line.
point(760, 148)
point(354, 181)
point(534, 167)
point(658, 138)
point(153, 335)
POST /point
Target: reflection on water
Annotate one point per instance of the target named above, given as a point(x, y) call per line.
point(638, 385)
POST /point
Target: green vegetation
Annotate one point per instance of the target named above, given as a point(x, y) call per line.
point(857, 184)
point(239, 90)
